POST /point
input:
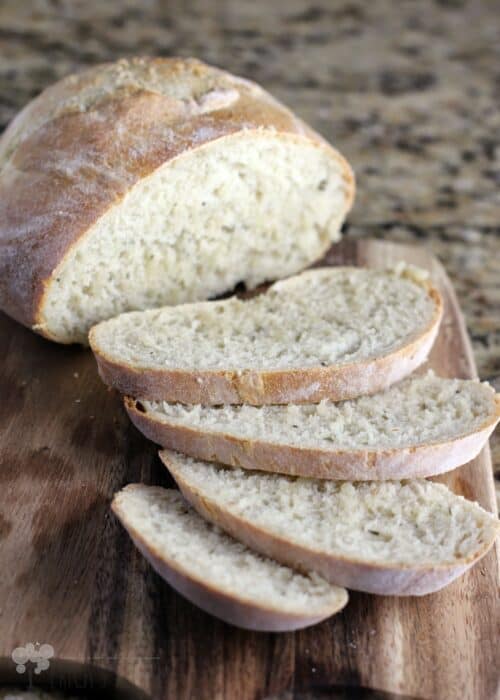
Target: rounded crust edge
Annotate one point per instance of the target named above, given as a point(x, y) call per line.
point(229, 608)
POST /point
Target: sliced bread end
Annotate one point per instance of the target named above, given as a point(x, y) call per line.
point(218, 573)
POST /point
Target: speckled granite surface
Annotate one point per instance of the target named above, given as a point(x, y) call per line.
point(409, 91)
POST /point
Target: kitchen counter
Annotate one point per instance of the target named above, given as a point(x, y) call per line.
point(408, 91)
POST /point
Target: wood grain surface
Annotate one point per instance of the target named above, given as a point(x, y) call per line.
point(70, 577)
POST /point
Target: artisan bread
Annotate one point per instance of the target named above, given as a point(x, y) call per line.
point(326, 333)
point(420, 427)
point(216, 572)
point(387, 537)
point(157, 181)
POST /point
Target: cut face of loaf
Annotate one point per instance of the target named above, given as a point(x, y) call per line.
point(216, 572)
point(327, 333)
point(420, 427)
point(157, 181)
point(389, 537)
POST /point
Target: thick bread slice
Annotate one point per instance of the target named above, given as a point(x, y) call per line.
point(420, 427)
point(327, 333)
point(218, 573)
point(155, 181)
point(387, 537)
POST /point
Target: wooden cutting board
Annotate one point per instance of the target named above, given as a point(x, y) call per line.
point(69, 576)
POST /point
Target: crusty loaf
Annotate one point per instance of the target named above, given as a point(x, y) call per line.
point(157, 181)
point(387, 537)
point(326, 333)
point(216, 572)
point(420, 427)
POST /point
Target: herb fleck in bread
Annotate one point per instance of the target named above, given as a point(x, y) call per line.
point(326, 333)
point(154, 181)
point(420, 427)
point(388, 537)
point(218, 573)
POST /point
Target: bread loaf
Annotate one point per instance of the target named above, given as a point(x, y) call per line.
point(157, 181)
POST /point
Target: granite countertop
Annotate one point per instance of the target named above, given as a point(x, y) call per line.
point(408, 91)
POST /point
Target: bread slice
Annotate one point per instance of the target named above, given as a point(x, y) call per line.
point(155, 181)
point(422, 426)
point(389, 537)
point(327, 333)
point(218, 573)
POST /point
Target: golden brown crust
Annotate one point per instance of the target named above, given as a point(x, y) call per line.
point(307, 385)
point(217, 602)
point(350, 465)
point(381, 579)
point(84, 143)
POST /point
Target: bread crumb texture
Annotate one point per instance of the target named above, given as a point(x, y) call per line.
point(419, 410)
point(323, 317)
point(217, 216)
